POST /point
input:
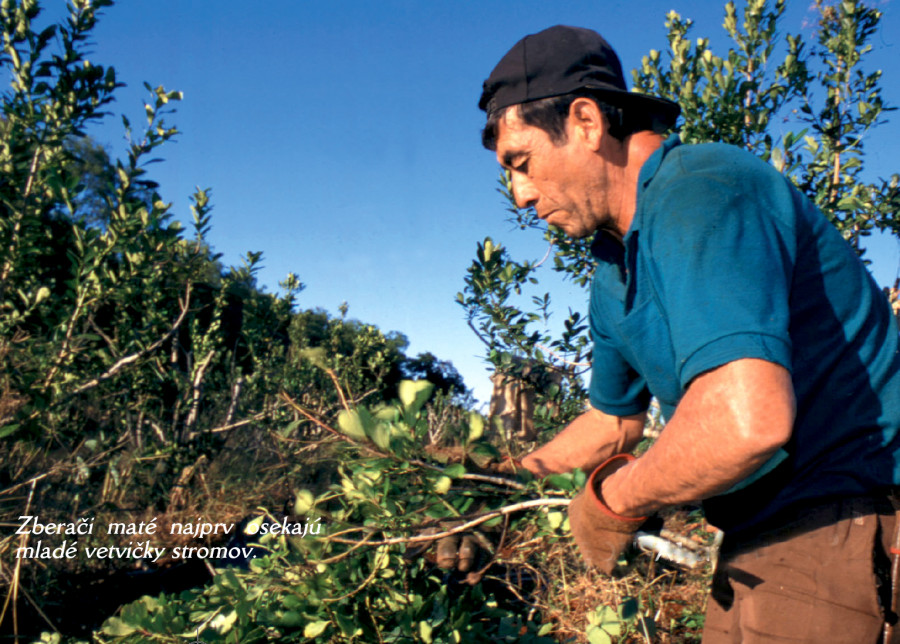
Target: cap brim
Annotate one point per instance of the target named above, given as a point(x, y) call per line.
point(664, 110)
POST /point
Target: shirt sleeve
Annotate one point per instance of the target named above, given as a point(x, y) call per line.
point(722, 254)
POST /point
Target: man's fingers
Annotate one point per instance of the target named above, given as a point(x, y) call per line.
point(457, 552)
point(508, 466)
point(468, 550)
point(447, 550)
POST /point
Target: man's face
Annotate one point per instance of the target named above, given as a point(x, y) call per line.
point(565, 184)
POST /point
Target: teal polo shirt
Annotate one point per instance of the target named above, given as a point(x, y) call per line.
point(726, 260)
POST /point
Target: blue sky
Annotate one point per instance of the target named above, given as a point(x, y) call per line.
point(341, 138)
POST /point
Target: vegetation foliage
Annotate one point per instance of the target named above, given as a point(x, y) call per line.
point(140, 377)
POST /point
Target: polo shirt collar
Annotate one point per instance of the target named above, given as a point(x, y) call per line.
point(651, 165)
point(606, 248)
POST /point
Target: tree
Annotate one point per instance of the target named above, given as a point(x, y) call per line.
point(130, 358)
point(441, 373)
point(821, 88)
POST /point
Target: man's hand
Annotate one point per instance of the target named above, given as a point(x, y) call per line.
point(457, 551)
point(601, 534)
point(507, 466)
point(461, 551)
point(585, 443)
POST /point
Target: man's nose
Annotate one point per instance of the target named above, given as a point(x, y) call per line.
point(523, 191)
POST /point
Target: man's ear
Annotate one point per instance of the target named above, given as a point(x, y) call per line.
point(587, 122)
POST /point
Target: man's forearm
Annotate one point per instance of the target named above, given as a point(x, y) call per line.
point(729, 423)
point(586, 442)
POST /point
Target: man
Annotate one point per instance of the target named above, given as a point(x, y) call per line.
point(725, 294)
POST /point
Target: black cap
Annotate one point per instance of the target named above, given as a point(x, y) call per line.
point(561, 60)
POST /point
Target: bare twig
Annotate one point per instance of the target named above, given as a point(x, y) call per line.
point(479, 335)
point(358, 399)
point(64, 350)
point(310, 417)
point(346, 553)
point(196, 391)
point(483, 478)
point(337, 386)
point(487, 516)
point(235, 394)
point(32, 171)
point(240, 423)
point(32, 480)
point(100, 332)
point(37, 608)
point(546, 255)
point(160, 434)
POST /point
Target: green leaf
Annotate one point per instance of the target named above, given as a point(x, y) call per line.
point(315, 355)
point(628, 609)
point(347, 625)
point(648, 626)
point(476, 426)
point(597, 635)
point(483, 451)
point(314, 629)
point(381, 436)
point(455, 471)
point(579, 479)
point(6, 430)
point(561, 481)
point(414, 394)
point(442, 486)
point(425, 632)
point(289, 429)
point(367, 420)
point(350, 423)
point(493, 523)
point(608, 619)
point(303, 501)
point(555, 519)
point(488, 248)
point(117, 628)
point(224, 623)
point(42, 294)
point(387, 413)
point(253, 525)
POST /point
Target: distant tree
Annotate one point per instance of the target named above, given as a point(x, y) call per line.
point(441, 373)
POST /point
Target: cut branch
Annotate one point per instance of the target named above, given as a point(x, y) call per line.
point(487, 516)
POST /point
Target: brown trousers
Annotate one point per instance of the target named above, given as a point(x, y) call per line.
point(821, 577)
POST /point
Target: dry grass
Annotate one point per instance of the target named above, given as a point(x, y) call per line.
point(121, 487)
point(568, 592)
